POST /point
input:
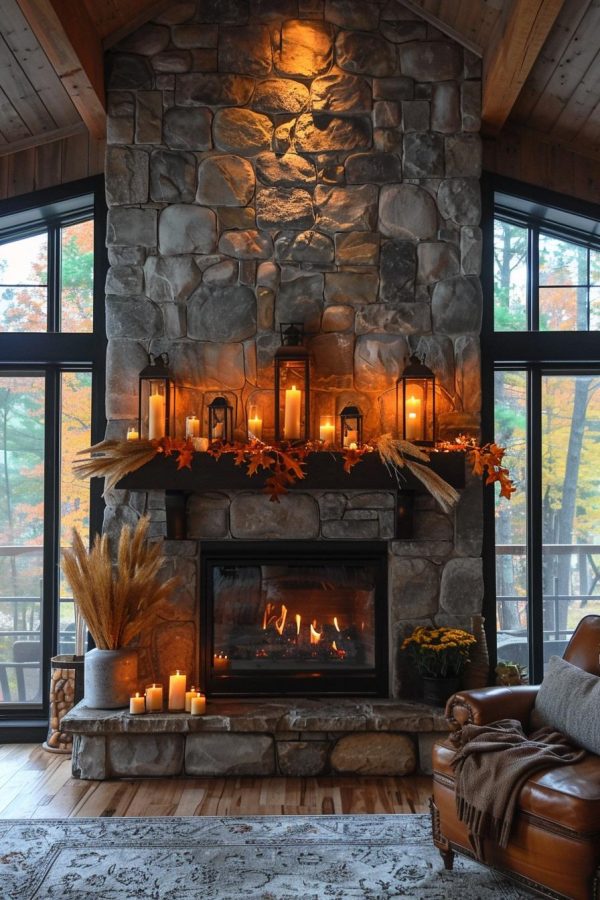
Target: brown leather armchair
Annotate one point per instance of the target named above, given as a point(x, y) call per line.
point(555, 841)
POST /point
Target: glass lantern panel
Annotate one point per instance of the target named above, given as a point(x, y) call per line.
point(418, 400)
point(350, 432)
point(154, 402)
point(218, 423)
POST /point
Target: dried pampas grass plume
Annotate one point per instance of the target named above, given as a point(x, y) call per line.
point(117, 601)
point(118, 460)
point(394, 452)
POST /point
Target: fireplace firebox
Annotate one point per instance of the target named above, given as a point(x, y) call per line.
point(294, 618)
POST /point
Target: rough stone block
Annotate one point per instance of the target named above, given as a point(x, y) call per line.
point(130, 227)
point(357, 248)
point(338, 318)
point(456, 305)
point(445, 108)
point(403, 31)
point(437, 260)
point(252, 517)
point(404, 318)
point(126, 176)
point(301, 300)
point(351, 529)
point(147, 40)
point(463, 155)
point(225, 181)
point(396, 88)
point(284, 208)
point(232, 754)
point(171, 279)
point(351, 288)
point(280, 95)
point(398, 269)
point(128, 71)
point(459, 199)
point(333, 361)
point(376, 167)
point(149, 113)
point(125, 280)
point(287, 171)
point(245, 49)
point(377, 753)
point(346, 209)
point(321, 133)
point(431, 60)
point(221, 313)
point(132, 317)
point(197, 89)
point(379, 360)
point(187, 229)
point(365, 54)
point(172, 176)
point(208, 516)
point(341, 94)
point(242, 131)
point(217, 367)
point(187, 129)
point(470, 250)
point(246, 245)
point(415, 115)
point(306, 246)
point(89, 757)
point(470, 99)
point(194, 36)
point(144, 755)
point(461, 589)
point(414, 587)
point(302, 758)
point(171, 62)
point(423, 155)
point(306, 48)
point(407, 211)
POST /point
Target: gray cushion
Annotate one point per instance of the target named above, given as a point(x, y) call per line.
point(569, 700)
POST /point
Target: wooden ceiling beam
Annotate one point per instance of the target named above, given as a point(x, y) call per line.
point(511, 56)
point(72, 44)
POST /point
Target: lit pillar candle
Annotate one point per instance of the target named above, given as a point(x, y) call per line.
point(137, 705)
point(351, 438)
point(177, 691)
point(198, 705)
point(254, 424)
point(291, 421)
point(133, 434)
point(327, 430)
point(189, 696)
point(156, 416)
point(413, 418)
point(200, 444)
point(217, 431)
point(220, 662)
point(192, 427)
point(154, 698)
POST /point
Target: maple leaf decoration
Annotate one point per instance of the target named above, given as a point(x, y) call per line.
point(351, 458)
point(486, 461)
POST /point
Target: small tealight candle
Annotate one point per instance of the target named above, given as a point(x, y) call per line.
point(220, 661)
point(137, 705)
point(133, 434)
point(177, 692)
point(189, 696)
point(154, 698)
point(198, 705)
point(353, 445)
point(200, 444)
point(327, 430)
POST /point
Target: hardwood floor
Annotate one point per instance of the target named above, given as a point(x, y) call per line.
point(38, 785)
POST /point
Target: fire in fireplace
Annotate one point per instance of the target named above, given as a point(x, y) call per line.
point(294, 617)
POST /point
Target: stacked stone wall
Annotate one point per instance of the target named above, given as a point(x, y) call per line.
point(304, 161)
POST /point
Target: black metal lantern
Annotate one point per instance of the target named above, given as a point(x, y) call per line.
point(351, 427)
point(220, 421)
point(292, 385)
point(156, 399)
point(415, 403)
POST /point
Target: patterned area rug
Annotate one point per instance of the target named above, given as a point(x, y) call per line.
point(258, 858)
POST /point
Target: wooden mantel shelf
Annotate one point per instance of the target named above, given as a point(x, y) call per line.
point(324, 471)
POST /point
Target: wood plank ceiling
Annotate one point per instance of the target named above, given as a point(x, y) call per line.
point(547, 51)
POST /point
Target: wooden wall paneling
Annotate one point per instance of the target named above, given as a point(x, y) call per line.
point(572, 67)
point(74, 158)
point(21, 169)
point(12, 126)
point(3, 177)
point(34, 62)
point(553, 51)
point(48, 161)
point(21, 93)
point(96, 154)
point(534, 158)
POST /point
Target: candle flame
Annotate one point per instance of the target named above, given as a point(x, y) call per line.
point(298, 620)
point(137, 694)
point(335, 622)
point(315, 636)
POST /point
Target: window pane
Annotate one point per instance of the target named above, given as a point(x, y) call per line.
point(595, 309)
point(23, 278)
point(571, 505)
point(21, 537)
point(563, 309)
point(77, 277)
point(510, 277)
point(510, 429)
point(562, 262)
point(595, 267)
point(76, 417)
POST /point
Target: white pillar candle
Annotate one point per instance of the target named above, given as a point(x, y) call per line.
point(189, 696)
point(156, 416)
point(133, 434)
point(177, 691)
point(254, 424)
point(154, 698)
point(137, 705)
point(291, 421)
point(198, 705)
point(413, 427)
point(200, 444)
point(327, 430)
point(217, 431)
point(351, 437)
point(192, 426)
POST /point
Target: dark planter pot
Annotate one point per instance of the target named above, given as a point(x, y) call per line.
point(437, 691)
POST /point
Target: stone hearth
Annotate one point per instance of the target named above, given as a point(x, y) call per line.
point(273, 737)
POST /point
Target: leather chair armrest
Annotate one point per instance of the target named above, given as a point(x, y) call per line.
point(484, 705)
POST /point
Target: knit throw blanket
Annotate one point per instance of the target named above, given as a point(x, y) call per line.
point(492, 765)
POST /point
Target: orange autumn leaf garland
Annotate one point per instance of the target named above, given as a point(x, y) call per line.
point(486, 461)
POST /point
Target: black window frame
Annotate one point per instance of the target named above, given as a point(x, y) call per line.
point(538, 353)
point(53, 353)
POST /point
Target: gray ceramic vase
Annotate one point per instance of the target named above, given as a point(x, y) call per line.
point(110, 677)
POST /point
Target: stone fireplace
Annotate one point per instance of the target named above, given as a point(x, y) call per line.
point(314, 161)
